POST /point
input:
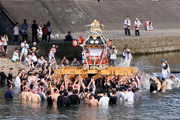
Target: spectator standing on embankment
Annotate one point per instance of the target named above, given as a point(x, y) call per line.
point(34, 31)
point(24, 49)
point(137, 24)
point(49, 27)
point(127, 25)
point(24, 29)
point(16, 33)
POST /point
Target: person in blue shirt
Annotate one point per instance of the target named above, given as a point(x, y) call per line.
point(9, 93)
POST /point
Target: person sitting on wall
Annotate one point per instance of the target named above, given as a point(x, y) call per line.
point(15, 55)
point(68, 37)
point(65, 61)
point(34, 48)
point(75, 62)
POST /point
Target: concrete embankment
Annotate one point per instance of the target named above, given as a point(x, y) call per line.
point(150, 44)
point(138, 45)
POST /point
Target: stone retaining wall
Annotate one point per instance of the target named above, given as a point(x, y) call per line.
point(150, 44)
point(136, 45)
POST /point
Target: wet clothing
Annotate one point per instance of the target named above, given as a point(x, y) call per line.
point(3, 78)
point(98, 97)
point(9, 78)
point(8, 94)
point(120, 95)
point(74, 99)
point(170, 84)
point(137, 96)
point(129, 96)
point(42, 97)
point(176, 83)
point(50, 100)
point(153, 87)
point(63, 101)
point(165, 70)
point(112, 100)
point(59, 101)
point(104, 101)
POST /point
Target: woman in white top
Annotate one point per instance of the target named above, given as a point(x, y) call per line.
point(39, 31)
point(15, 56)
point(5, 40)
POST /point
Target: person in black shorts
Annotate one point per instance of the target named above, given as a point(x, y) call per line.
point(10, 76)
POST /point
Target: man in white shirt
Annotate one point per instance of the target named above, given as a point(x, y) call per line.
point(34, 59)
point(176, 81)
point(170, 83)
point(137, 24)
point(16, 33)
point(127, 25)
point(17, 80)
point(129, 96)
point(128, 58)
point(113, 56)
point(41, 61)
point(24, 49)
point(28, 61)
point(104, 101)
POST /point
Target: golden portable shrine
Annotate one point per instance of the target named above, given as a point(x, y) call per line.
point(95, 50)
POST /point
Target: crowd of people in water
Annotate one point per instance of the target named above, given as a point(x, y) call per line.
point(39, 84)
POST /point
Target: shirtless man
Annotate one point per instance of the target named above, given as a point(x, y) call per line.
point(93, 102)
point(55, 95)
point(86, 95)
point(35, 97)
point(163, 86)
point(24, 95)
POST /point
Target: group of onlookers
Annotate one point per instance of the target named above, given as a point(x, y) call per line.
point(37, 31)
point(137, 24)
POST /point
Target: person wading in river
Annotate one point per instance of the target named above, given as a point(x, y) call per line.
point(93, 102)
point(165, 68)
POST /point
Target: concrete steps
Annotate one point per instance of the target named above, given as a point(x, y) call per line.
point(73, 15)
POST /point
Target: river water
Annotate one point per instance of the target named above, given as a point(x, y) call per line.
point(160, 106)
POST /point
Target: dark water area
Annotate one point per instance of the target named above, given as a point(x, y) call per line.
point(159, 106)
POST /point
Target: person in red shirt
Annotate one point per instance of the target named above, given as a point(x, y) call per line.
point(45, 31)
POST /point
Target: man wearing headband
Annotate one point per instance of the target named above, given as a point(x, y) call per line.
point(35, 97)
point(24, 95)
point(9, 93)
